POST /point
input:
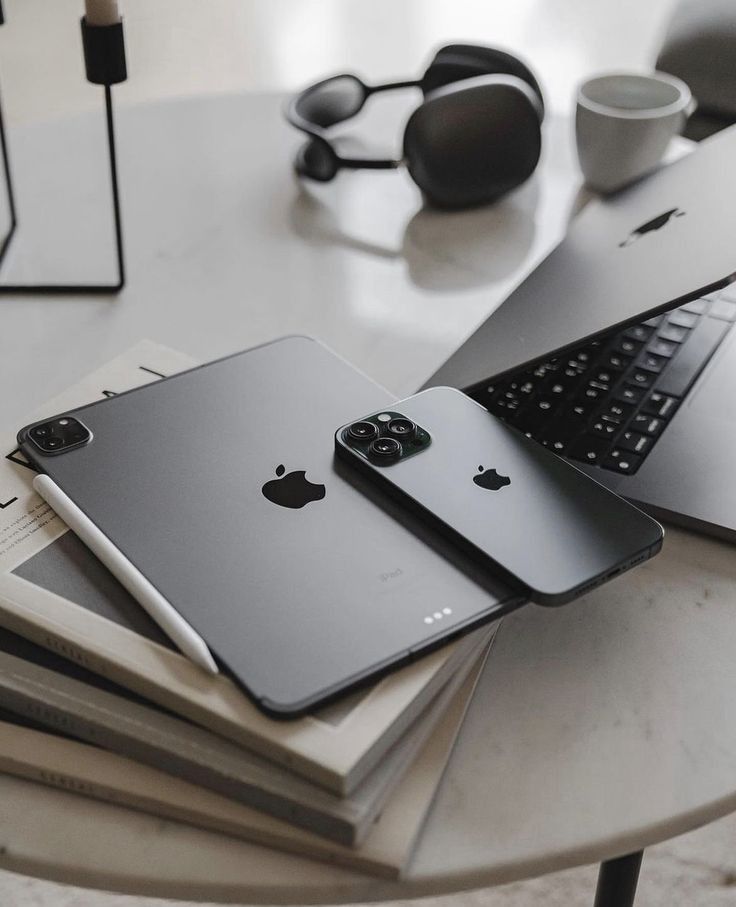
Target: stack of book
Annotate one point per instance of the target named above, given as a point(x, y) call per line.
point(94, 699)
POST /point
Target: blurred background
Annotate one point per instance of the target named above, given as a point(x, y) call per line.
point(197, 47)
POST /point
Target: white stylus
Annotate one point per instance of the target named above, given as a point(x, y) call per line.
point(150, 599)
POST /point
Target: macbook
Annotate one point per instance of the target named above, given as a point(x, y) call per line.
point(618, 352)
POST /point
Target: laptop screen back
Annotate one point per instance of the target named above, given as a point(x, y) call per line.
point(661, 242)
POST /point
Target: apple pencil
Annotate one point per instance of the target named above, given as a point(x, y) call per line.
point(150, 599)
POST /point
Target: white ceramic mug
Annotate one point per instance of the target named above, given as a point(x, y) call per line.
point(623, 124)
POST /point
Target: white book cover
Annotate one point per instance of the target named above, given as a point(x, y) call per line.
point(55, 593)
point(90, 771)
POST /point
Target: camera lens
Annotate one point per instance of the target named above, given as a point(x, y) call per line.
point(385, 449)
point(41, 432)
point(362, 431)
point(402, 428)
point(51, 443)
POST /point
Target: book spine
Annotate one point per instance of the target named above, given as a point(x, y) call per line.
point(114, 779)
point(60, 704)
point(88, 656)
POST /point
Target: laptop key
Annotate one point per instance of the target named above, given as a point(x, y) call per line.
point(544, 405)
point(627, 346)
point(560, 387)
point(640, 378)
point(630, 394)
point(558, 436)
point(682, 319)
point(650, 425)
point(604, 376)
point(622, 461)
point(616, 411)
point(616, 362)
point(593, 394)
point(662, 348)
point(672, 333)
point(639, 332)
point(528, 422)
point(589, 449)
point(634, 442)
point(580, 408)
point(541, 371)
point(696, 306)
point(688, 363)
point(660, 404)
point(728, 292)
point(605, 429)
point(497, 407)
point(652, 363)
point(723, 309)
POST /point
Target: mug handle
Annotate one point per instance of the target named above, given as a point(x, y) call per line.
point(692, 106)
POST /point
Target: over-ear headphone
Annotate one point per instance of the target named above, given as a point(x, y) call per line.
point(475, 136)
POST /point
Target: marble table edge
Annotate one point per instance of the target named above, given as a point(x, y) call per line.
point(367, 889)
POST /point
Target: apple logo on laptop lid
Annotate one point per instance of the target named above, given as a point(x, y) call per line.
point(656, 223)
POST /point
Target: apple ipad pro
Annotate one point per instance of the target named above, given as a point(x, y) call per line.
point(220, 486)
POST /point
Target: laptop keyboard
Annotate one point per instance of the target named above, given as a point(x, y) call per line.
point(606, 403)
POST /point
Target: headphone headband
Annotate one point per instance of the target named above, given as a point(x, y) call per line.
point(453, 75)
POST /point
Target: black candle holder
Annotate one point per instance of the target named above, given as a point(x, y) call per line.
point(104, 58)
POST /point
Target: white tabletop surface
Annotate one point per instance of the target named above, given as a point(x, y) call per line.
point(597, 728)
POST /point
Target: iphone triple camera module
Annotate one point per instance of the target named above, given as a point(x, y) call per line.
point(386, 438)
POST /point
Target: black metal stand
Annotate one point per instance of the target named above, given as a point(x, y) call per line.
point(104, 53)
point(617, 880)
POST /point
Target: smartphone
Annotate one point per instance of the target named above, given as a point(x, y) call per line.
point(510, 502)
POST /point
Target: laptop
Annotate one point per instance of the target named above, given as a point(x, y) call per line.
point(618, 352)
point(219, 485)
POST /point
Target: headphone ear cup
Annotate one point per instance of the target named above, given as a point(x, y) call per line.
point(472, 142)
point(465, 61)
point(316, 160)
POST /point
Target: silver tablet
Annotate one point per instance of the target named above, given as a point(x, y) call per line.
point(220, 486)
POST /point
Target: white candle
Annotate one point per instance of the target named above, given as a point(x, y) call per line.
point(101, 12)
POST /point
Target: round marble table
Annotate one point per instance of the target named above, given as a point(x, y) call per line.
point(597, 729)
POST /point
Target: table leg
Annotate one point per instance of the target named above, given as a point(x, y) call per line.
point(617, 881)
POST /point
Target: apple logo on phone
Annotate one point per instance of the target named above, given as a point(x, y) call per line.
point(292, 490)
point(490, 479)
point(656, 223)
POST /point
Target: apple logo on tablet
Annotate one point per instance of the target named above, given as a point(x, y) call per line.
point(292, 489)
point(490, 479)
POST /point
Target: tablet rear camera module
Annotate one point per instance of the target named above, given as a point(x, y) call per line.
point(59, 435)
